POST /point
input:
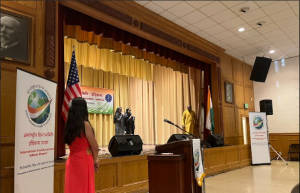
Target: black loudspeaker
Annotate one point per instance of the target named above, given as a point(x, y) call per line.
point(178, 137)
point(260, 69)
point(122, 145)
point(266, 106)
point(215, 140)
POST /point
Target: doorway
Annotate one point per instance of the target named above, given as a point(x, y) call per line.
point(246, 130)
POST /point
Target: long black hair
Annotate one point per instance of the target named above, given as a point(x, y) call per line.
point(117, 113)
point(78, 113)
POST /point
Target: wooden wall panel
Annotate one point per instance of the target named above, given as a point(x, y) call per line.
point(237, 67)
point(222, 159)
point(107, 176)
point(249, 97)
point(8, 103)
point(247, 72)
point(226, 66)
point(30, 4)
point(229, 121)
point(245, 155)
point(7, 181)
point(239, 97)
point(281, 142)
point(135, 171)
point(7, 152)
point(238, 73)
point(35, 10)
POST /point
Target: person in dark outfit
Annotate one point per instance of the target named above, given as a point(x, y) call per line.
point(119, 129)
point(128, 121)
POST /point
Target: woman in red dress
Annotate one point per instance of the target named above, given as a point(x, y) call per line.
point(83, 158)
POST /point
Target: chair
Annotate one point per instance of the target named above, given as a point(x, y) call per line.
point(295, 189)
point(294, 150)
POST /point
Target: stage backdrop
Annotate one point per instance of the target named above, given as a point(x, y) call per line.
point(98, 100)
point(34, 138)
point(259, 138)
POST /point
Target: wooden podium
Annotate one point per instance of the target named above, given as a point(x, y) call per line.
point(172, 173)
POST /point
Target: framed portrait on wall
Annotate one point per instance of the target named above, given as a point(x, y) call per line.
point(15, 37)
point(228, 92)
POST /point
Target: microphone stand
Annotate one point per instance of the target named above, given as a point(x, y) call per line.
point(185, 131)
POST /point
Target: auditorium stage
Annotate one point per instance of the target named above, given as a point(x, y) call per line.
point(130, 173)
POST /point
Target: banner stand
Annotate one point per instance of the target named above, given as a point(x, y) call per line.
point(259, 138)
point(34, 133)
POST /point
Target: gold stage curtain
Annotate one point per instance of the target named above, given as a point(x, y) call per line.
point(103, 59)
point(151, 102)
point(141, 100)
point(97, 41)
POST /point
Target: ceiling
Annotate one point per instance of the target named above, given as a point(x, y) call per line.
point(219, 22)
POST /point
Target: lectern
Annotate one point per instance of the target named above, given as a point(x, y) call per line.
point(180, 164)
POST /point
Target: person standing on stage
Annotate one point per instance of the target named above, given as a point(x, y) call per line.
point(128, 121)
point(119, 128)
point(83, 158)
point(189, 120)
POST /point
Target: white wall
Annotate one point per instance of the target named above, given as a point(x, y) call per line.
point(282, 87)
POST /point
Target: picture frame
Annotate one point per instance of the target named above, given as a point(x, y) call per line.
point(228, 87)
point(16, 37)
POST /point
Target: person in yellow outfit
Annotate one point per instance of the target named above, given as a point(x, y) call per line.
point(189, 120)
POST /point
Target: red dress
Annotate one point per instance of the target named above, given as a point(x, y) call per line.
point(79, 176)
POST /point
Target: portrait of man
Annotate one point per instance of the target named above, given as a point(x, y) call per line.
point(14, 37)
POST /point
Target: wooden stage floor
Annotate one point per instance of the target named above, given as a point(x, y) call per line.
point(104, 152)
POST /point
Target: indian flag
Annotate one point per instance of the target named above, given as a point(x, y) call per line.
point(210, 125)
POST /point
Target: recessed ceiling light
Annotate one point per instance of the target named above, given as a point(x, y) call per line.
point(241, 29)
point(271, 51)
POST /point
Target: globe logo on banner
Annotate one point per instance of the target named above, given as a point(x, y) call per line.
point(38, 106)
point(258, 123)
point(108, 98)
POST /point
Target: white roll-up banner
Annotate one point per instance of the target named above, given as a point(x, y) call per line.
point(259, 138)
point(34, 134)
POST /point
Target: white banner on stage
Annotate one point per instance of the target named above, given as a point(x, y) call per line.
point(198, 166)
point(34, 134)
point(259, 138)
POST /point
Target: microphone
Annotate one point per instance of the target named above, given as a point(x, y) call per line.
point(166, 120)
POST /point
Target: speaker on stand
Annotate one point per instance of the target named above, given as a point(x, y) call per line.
point(267, 107)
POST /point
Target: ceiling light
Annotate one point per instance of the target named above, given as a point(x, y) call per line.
point(271, 51)
point(241, 29)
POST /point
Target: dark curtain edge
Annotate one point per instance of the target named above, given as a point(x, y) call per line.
point(60, 86)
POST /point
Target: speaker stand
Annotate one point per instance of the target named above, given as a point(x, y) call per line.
point(278, 154)
point(271, 145)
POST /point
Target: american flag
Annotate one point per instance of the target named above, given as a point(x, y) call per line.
point(73, 88)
